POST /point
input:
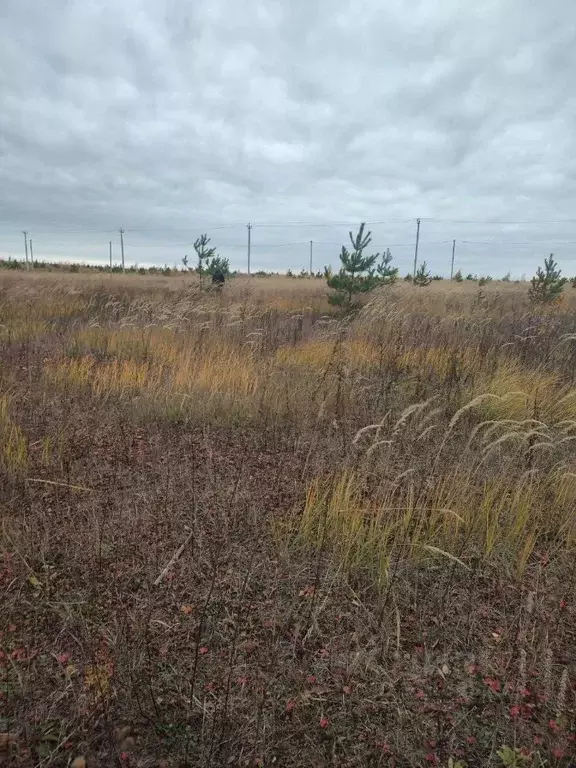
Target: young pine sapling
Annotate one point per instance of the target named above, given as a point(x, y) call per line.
point(359, 273)
point(547, 284)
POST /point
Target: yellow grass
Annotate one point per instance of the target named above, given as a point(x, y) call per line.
point(502, 519)
point(317, 355)
point(439, 360)
point(166, 371)
point(170, 348)
point(13, 443)
point(221, 370)
point(526, 393)
point(21, 331)
point(117, 342)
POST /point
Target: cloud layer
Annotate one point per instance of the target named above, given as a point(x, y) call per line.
point(170, 118)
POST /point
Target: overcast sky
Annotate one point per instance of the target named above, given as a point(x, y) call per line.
point(171, 118)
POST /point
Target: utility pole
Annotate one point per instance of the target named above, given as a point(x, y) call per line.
point(452, 265)
point(122, 246)
point(249, 246)
point(31, 255)
point(416, 248)
point(110, 255)
point(311, 258)
point(25, 233)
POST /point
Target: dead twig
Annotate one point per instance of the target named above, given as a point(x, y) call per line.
point(173, 559)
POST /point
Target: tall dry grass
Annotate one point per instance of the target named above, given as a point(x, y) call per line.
point(254, 529)
point(496, 495)
point(472, 473)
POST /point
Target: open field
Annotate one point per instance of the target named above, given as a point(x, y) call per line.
point(239, 531)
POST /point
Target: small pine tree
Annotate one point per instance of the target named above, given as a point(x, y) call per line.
point(203, 253)
point(507, 277)
point(547, 284)
point(387, 275)
point(422, 277)
point(217, 264)
point(458, 276)
point(358, 273)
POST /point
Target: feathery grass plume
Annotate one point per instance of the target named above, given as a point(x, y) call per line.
point(403, 474)
point(490, 426)
point(495, 425)
point(567, 425)
point(549, 445)
point(537, 433)
point(438, 551)
point(478, 400)
point(430, 415)
point(378, 444)
point(426, 431)
point(363, 431)
point(502, 439)
point(409, 411)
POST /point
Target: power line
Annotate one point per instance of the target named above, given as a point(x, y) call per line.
point(348, 223)
point(209, 227)
point(57, 229)
point(519, 242)
point(338, 243)
point(222, 245)
point(298, 254)
point(497, 221)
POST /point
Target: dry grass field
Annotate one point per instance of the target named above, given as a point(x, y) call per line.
point(239, 531)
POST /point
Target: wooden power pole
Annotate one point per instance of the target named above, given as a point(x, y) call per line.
point(416, 247)
point(249, 246)
point(122, 246)
point(25, 233)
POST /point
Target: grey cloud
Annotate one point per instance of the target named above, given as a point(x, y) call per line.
point(167, 117)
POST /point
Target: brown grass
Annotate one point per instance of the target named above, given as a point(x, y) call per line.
point(237, 530)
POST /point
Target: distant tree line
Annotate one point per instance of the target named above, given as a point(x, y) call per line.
point(63, 266)
point(359, 272)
